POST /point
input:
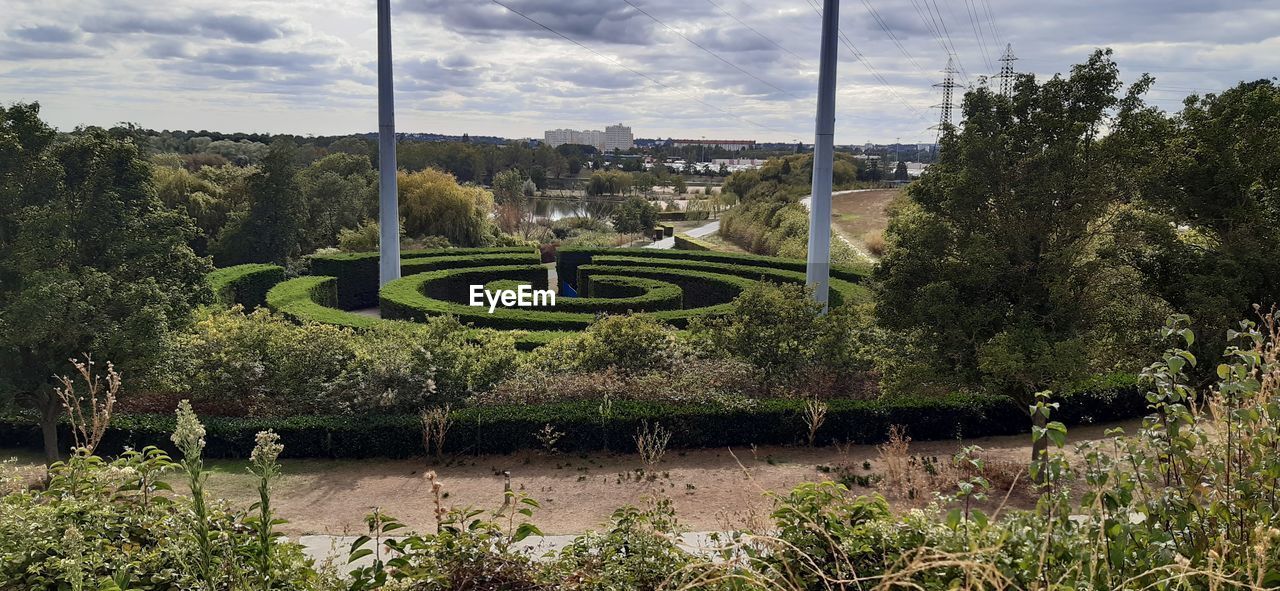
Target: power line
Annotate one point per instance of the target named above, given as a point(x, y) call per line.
point(712, 53)
point(858, 56)
point(636, 72)
point(942, 24)
point(884, 26)
point(977, 33)
point(753, 30)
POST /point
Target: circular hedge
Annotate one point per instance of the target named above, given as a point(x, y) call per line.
point(672, 286)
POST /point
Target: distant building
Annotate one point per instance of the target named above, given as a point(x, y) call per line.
point(614, 137)
point(618, 137)
point(733, 145)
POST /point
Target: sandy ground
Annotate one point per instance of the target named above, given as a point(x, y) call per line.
point(710, 489)
point(853, 214)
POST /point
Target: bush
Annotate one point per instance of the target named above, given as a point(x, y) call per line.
point(246, 284)
point(841, 292)
point(634, 215)
point(684, 242)
point(568, 260)
point(357, 273)
point(261, 364)
point(510, 428)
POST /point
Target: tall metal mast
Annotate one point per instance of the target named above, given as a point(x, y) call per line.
point(1007, 75)
point(948, 86)
point(818, 267)
point(388, 195)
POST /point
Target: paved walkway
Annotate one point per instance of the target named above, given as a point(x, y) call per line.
point(336, 548)
point(700, 231)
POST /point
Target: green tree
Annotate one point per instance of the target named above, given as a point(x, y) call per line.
point(998, 259)
point(434, 204)
point(507, 187)
point(900, 173)
point(678, 185)
point(635, 215)
point(91, 261)
point(340, 191)
point(1209, 183)
point(273, 228)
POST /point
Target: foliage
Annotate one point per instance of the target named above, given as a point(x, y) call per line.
point(90, 259)
point(633, 216)
point(432, 203)
point(1000, 259)
point(246, 284)
point(273, 228)
point(260, 364)
point(609, 182)
point(779, 329)
point(340, 192)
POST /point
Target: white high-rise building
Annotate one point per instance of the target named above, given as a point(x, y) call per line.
point(618, 137)
point(614, 137)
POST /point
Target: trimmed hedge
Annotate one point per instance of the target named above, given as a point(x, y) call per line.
point(311, 298)
point(435, 293)
point(569, 259)
point(668, 230)
point(304, 300)
point(615, 294)
point(842, 292)
point(682, 216)
point(246, 285)
point(510, 428)
point(684, 242)
point(357, 272)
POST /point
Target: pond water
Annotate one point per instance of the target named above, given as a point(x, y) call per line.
point(555, 209)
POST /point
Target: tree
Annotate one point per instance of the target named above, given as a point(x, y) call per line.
point(434, 204)
point(339, 191)
point(91, 261)
point(678, 185)
point(635, 215)
point(900, 173)
point(507, 187)
point(998, 259)
point(1209, 182)
point(273, 228)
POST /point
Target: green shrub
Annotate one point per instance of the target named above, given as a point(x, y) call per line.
point(509, 428)
point(246, 284)
point(357, 272)
point(841, 292)
point(568, 260)
point(684, 242)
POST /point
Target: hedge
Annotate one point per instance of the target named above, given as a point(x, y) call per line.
point(436, 293)
point(246, 285)
point(304, 300)
point(684, 242)
point(510, 428)
point(682, 216)
point(357, 272)
point(668, 230)
point(568, 260)
point(616, 294)
point(842, 292)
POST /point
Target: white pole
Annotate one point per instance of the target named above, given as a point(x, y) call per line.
point(818, 270)
point(388, 195)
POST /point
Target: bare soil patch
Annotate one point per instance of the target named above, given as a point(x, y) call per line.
point(857, 214)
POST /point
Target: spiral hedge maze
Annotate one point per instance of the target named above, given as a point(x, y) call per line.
point(673, 286)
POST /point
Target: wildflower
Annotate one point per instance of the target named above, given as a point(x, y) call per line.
point(267, 449)
point(189, 433)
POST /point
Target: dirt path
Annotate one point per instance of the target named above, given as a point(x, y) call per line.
point(854, 214)
point(709, 488)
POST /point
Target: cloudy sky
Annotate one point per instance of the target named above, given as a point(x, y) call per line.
point(728, 69)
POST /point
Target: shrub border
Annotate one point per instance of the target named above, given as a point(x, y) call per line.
point(246, 284)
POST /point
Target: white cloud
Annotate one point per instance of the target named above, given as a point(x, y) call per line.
point(473, 66)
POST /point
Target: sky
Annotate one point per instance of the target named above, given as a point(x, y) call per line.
point(724, 69)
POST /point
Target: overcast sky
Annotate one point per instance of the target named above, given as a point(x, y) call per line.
point(729, 69)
